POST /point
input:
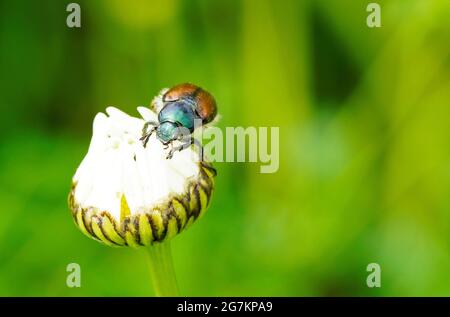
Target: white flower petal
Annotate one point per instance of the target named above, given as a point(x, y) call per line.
point(147, 114)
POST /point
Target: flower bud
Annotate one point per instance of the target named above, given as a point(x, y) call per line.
point(126, 195)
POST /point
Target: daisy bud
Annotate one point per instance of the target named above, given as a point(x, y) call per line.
point(126, 195)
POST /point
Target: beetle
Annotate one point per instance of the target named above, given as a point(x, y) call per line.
point(177, 109)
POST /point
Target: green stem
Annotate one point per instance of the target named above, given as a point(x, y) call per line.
point(161, 269)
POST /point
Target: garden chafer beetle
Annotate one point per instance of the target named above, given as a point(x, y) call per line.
point(178, 108)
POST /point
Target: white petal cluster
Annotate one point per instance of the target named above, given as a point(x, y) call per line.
point(117, 164)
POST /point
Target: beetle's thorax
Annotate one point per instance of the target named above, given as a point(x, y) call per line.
point(180, 112)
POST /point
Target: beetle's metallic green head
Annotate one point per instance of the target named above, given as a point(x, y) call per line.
point(167, 131)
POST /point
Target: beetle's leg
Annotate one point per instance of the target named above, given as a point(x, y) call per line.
point(200, 148)
point(185, 145)
point(172, 150)
point(146, 135)
point(144, 129)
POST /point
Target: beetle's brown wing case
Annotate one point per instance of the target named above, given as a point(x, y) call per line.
point(206, 106)
point(178, 91)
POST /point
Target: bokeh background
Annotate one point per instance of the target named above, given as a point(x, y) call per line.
point(364, 117)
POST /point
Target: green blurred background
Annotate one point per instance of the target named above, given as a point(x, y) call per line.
point(364, 117)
